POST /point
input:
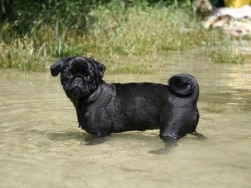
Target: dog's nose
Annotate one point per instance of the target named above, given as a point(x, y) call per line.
point(78, 80)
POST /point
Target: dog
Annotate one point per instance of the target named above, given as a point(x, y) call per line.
point(104, 108)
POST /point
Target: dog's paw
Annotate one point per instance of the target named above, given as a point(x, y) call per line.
point(162, 151)
point(94, 140)
point(168, 147)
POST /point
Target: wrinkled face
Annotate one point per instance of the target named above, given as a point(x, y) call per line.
point(79, 76)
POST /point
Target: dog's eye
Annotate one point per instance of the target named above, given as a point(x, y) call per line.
point(67, 73)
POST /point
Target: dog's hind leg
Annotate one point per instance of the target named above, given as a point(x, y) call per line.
point(198, 135)
point(169, 144)
point(194, 132)
point(169, 141)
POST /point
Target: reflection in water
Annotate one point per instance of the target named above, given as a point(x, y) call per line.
point(41, 145)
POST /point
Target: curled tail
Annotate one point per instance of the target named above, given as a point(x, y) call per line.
point(184, 85)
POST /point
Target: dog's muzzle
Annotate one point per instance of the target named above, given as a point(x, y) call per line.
point(78, 80)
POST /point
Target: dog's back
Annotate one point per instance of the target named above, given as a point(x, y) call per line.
point(145, 106)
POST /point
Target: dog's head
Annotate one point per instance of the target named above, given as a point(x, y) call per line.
point(80, 76)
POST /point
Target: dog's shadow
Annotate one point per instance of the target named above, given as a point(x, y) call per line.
point(91, 141)
point(74, 135)
point(68, 135)
point(171, 144)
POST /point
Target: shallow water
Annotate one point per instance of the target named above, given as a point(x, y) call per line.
point(41, 145)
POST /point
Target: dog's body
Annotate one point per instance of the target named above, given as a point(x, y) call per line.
point(104, 108)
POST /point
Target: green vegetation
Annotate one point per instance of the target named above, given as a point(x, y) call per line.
point(108, 31)
point(226, 52)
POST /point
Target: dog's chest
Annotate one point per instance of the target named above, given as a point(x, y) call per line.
point(96, 116)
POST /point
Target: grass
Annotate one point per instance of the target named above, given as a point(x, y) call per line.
point(113, 33)
point(231, 56)
point(226, 52)
point(22, 54)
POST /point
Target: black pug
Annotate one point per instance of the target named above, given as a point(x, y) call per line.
point(104, 108)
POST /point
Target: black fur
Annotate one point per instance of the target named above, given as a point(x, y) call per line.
point(104, 108)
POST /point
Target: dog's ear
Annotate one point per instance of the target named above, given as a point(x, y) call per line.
point(57, 67)
point(101, 70)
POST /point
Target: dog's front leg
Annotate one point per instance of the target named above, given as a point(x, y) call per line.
point(97, 138)
point(94, 140)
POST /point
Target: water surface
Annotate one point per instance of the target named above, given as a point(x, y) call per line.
point(41, 145)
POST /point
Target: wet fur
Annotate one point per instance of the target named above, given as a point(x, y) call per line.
point(103, 108)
